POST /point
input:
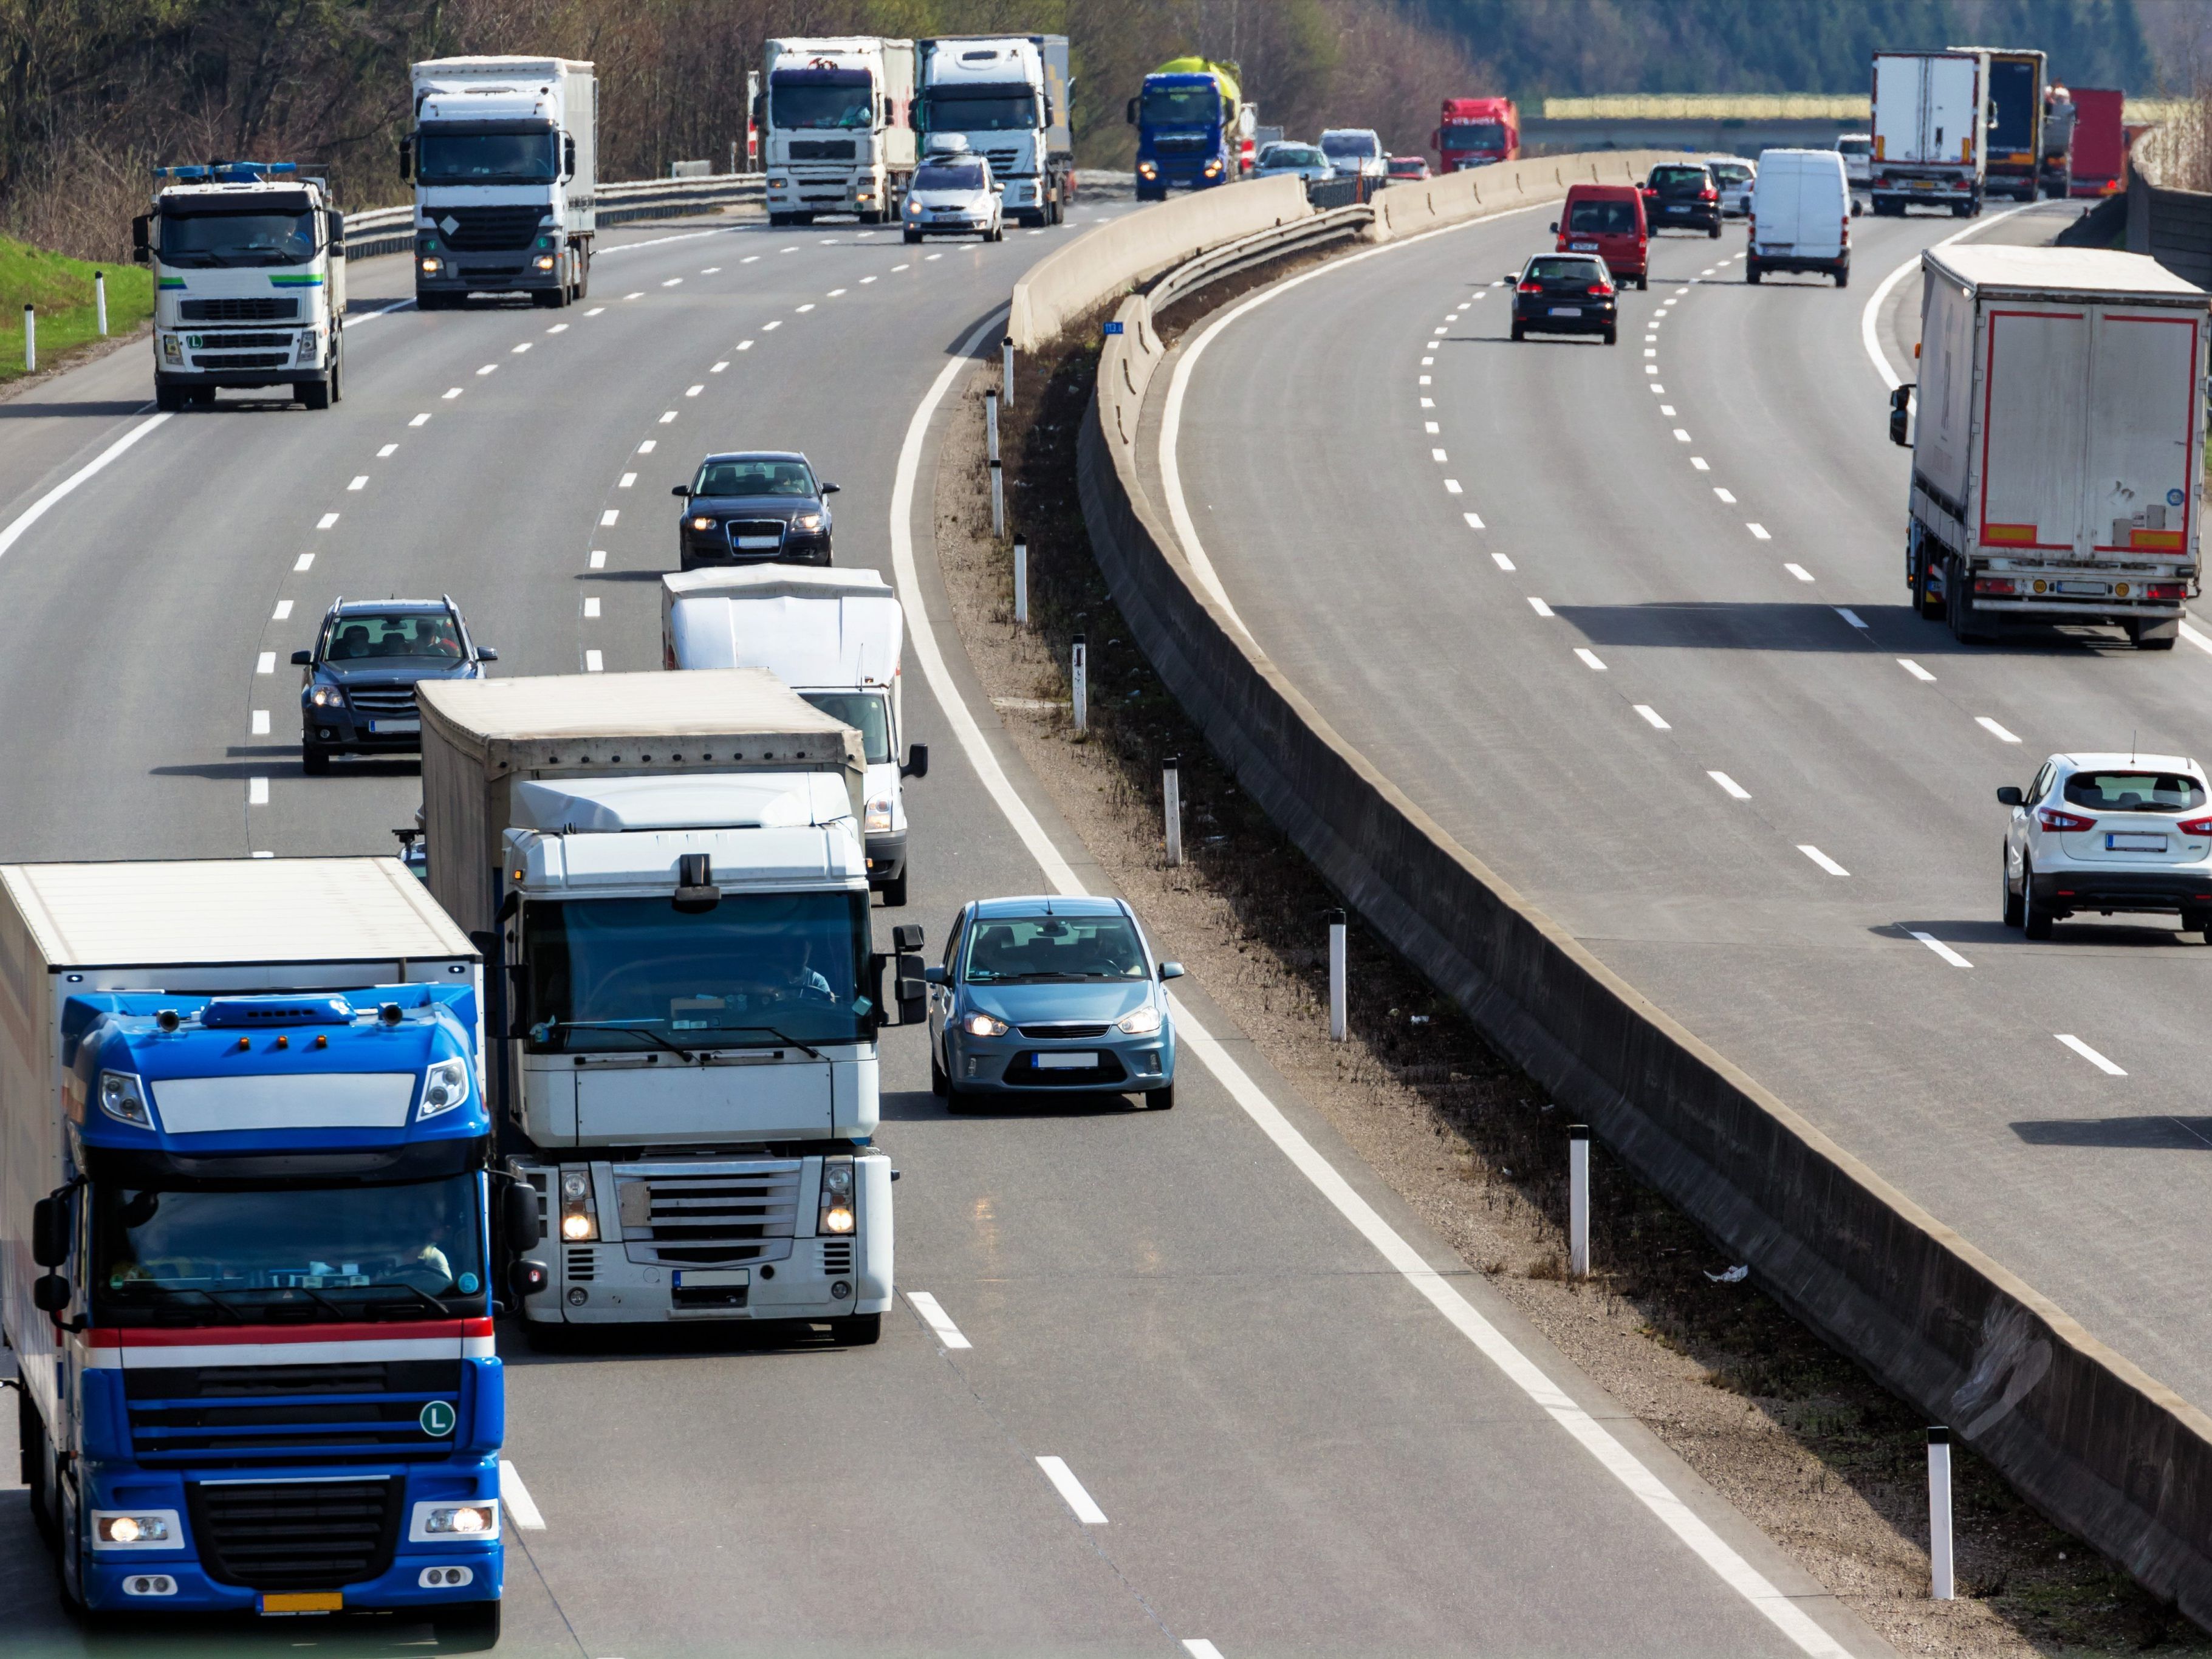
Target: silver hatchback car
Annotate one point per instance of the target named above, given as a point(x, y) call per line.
point(2109, 834)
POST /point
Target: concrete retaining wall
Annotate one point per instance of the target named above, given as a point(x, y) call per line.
point(2104, 1450)
point(1431, 203)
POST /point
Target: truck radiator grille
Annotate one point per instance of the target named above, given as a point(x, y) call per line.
point(239, 311)
point(484, 229)
point(710, 1220)
point(1003, 162)
point(295, 1534)
point(240, 359)
point(255, 1416)
point(242, 341)
point(823, 150)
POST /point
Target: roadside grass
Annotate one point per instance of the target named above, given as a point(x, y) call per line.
point(62, 290)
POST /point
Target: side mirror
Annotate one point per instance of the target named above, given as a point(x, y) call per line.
point(141, 238)
point(913, 995)
point(684, 490)
point(917, 762)
point(567, 159)
point(303, 660)
point(518, 1216)
point(527, 1278)
point(829, 488)
point(2010, 796)
point(1170, 970)
point(1130, 114)
point(934, 974)
point(50, 1294)
point(1900, 415)
point(406, 158)
point(1555, 226)
point(906, 938)
point(486, 653)
point(50, 1231)
point(334, 222)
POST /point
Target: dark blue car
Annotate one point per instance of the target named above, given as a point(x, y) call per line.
point(358, 694)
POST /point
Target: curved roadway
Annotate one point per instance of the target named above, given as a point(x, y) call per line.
point(1299, 1434)
point(1631, 624)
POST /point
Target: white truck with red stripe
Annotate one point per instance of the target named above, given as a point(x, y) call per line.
point(2059, 442)
point(247, 1273)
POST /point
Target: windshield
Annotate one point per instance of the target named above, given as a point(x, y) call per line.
point(836, 101)
point(793, 478)
point(949, 177)
point(360, 636)
point(210, 239)
point(1856, 146)
point(1565, 270)
point(996, 113)
point(1350, 144)
point(1601, 219)
point(868, 713)
point(1292, 155)
point(1006, 950)
point(2135, 792)
point(1474, 135)
point(1179, 106)
point(492, 157)
point(611, 976)
point(211, 1254)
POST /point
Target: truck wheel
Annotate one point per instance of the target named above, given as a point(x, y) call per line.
point(169, 399)
point(857, 1330)
point(894, 891)
point(2034, 920)
point(550, 299)
point(37, 1465)
point(470, 1626)
point(777, 221)
point(2154, 635)
point(2014, 911)
point(1930, 602)
point(1958, 602)
point(313, 394)
point(337, 370)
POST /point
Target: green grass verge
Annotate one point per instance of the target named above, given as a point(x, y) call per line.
point(61, 288)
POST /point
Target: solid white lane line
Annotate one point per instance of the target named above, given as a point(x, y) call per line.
point(937, 1319)
point(265, 663)
point(360, 479)
point(422, 419)
point(2202, 642)
point(1994, 730)
point(327, 521)
point(1504, 564)
point(1451, 487)
point(256, 791)
point(1915, 669)
point(1727, 497)
point(304, 562)
point(1941, 949)
point(1590, 659)
point(283, 611)
point(1651, 717)
point(1890, 378)
point(2091, 1055)
point(260, 722)
point(1734, 790)
point(1065, 1483)
point(1474, 520)
point(591, 609)
point(1848, 614)
point(1822, 859)
point(594, 663)
point(1759, 533)
point(1538, 606)
point(387, 452)
point(520, 1507)
point(1799, 572)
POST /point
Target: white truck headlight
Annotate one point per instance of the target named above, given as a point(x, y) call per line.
point(879, 815)
point(580, 1218)
point(546, 262)
point(1141, 1022)
point(135, 1529)
point(836, 1216)
point(123, 1097)
point(445, 1087)
point(172, 349)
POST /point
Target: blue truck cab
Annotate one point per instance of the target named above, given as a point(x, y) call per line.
point(1187, 132)
point(249, 1261)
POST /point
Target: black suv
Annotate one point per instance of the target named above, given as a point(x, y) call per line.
point(358, 694)
point(1564, 294)
point(759, 507)
point(1682, 196)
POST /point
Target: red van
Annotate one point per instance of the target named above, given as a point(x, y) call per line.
point(1608, 220)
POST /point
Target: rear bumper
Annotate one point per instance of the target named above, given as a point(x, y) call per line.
point(2186, 888)
point(1595, 320)
point(1827, 264)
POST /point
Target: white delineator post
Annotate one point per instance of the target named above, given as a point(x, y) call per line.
point(99, 299)
point(1578, 1200)
point(1939, 1514)
point(1006, 369)
point(991, 424)
point(30, 338)
point(997, 500)
point(1080, 674)
point(1337, 1022)
point(1171, 804)
point(1021, 583)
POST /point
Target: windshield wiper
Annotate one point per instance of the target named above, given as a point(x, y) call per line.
point(208, 1296)
point(634, 1028)
point(414, 1291)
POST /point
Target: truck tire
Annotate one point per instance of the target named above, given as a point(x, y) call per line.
point(2034, 920)
point(1929, 603)
point(857, 1330)
point(2016, 912)
point(36, 1466)
point(777, 221)
point(2154, 635)
point(337, 370)
point(470, 1626)
point(313, 394)
point(550, 299)
point(169, 399)
point(1959, 603)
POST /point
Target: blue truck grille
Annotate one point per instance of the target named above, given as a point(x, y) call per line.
point(295, 1534)
point(249, 1416)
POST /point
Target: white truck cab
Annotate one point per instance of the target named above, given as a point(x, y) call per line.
point(834, 636)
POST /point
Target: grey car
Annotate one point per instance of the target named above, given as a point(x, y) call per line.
point(1046, 995)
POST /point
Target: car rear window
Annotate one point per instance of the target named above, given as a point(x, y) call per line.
point(2135, 792)
point(360, 636)
point(1565, 270)
point(1731, 175)
point(1007, 949)
point(1602, 218)
point(1678, 178)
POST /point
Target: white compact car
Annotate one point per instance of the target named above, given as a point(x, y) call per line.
point(953, 195)
point(1857, 150)
point(2112, 834)
point(1356, 152)
point(1735, 177)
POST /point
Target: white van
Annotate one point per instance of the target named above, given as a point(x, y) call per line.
point(1857, 150)
point(834, 637)
point(1801, 214)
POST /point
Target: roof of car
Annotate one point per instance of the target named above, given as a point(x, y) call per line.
point(347, 606)
point(1603, 192)
point(2098, 762)
point(1048, 905)
point(755, 455)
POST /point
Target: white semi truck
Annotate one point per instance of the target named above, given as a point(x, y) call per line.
point(248, 260)
point(1929, 117)
point(1006, 96)
point(834, 637)
point(2058, 440)
point(838, 114)
point(504, 153)
point(665, 871)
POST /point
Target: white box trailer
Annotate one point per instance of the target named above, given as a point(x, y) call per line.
point(2059, 439)
point(1928, 120)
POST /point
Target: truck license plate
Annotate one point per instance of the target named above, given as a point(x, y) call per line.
point(2118, 842)
point(709, 1279)
point(1064, 1062)
point(303, 1601)
point(395, 725)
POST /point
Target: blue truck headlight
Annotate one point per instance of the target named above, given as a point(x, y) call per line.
point(1148, 170)
point(123, 1097)
point(445, 1087)
point(135, 1529)
point(454, 1522)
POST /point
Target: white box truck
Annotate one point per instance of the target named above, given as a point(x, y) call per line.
point(1928, 117)
point(665, 871)
point(1006, 96)
point(2058, 440)
point(504, 153)
point(833, 636)
point(837, 115)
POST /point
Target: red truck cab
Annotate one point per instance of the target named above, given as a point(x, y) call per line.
point(1474, 132)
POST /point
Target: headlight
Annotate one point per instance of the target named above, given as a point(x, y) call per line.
point(327, 696)
point(806, 521)
point(172, 347)
point(984, 1025)
point(836, 1216)
point(777, 184)
point(546, 262)
point(880, 814)
point(432, 267)
point(123, 1097)
point(131, 1528)
point(580, 1220)
point(1143, 1022)
point(912, 206)
point(307, 351)
point(703, 523)
point(1212, 168)
point(445, 1087)
point(1148, 170)
point(462, 1520)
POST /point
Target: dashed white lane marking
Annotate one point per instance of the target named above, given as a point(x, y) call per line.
point(265, 663)
point(609, 516)
point(595, 311)
point(1439, 330)
point(1428, 402)
point(2090, 1055)
point(264, 855)
point(1799, 572)
point(327, 521)
point(1726, 496)
point(896, 269)
point(771, 328)
point(720, 366)
point(1652, 351)
point(361, 480)
point(558, 328)
point(1679, 292)
point(422, 419)
point(808, 306)
point(282, 612)
point(451, 393)
point(1426, 379)
point(1680, 436)
point(638, 295)
point(793, 248)
point(260, 722)
point(1065, 1483)
point(1757, 532)
point(519, 350)
point(750, 260)
point(1915, 669)
point(1848, 614)
point(1590, 659)
point(744, 345)
point(594, 663)
point(1651, 717)
point(1994, 730)
point(932, 256)
point(1428, 363)
point(669, 419)
point(833, 293)
point(937, 1319)
point(626, 481)
point(1655, 387)
point(304, 562)
point(520, 1509)
point(1538, 606)
point(256, 791)
point(387, 452)
point(1698, 463)
point(1439, 456)
point(865, 281)
point(1734, 790)
point(1822, 859)
point(488, 368)
point(694, 391)
point(598, 559)
point(1504, 564)
point(1199, 1648)
point(1650, 368)
point(710, 270)
point(1668, 410)
point(591, 609)
point(1941, 949)
point(1432, 428)
point(647, 447)
point(671, 282)
point(1451, 487)
point(1474, 520)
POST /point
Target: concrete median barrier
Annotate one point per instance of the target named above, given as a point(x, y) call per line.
point(2104, 1450)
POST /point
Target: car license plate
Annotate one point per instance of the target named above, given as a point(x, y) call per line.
point(1565, 310)
point(1582, 248)
point(1680, 207)
point(760, 541)
point(2120, 842)
point(1068, 1062)
point(395, 725)
point(709, 1279)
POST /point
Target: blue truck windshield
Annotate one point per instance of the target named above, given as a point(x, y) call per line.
point(996, 110)
point(839, 101)
point(209, 240)
point(1179, 106)
point(623, 975)
point(482, 156)
point(206, 1254)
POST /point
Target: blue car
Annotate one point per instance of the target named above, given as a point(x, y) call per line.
point(1038, 995)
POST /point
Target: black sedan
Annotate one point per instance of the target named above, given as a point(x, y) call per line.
point(759, 507)
point(358, 694)
point(1564, 294)
point(1682, 196)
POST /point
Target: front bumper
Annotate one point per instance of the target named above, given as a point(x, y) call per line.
point(706, 547)
point(339, 730)
point(1007, 1065)
point(2084, 887)
point(886, 857)
point(502, 272)
point(935, 224)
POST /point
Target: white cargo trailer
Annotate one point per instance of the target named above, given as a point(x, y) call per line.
point(2058, 440)
point(1929, 119)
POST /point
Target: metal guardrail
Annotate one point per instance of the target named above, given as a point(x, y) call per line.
point(1325, 193)
point(392, 229)
point(1257, 249)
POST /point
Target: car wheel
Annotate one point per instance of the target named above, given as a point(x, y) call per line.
point(894, 891)
point(857, 1330)
point(2034, 920)
point(912, 237)
point(1844, 275)
point(958, 1100)
point(314, 761)
point(1714, 235)
point(473, 1626)
point(938, 1084)
point(1519, 333)
point(1160, 1100)
point(1751, 271)
point(2014, 911)
point(1612, 337)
